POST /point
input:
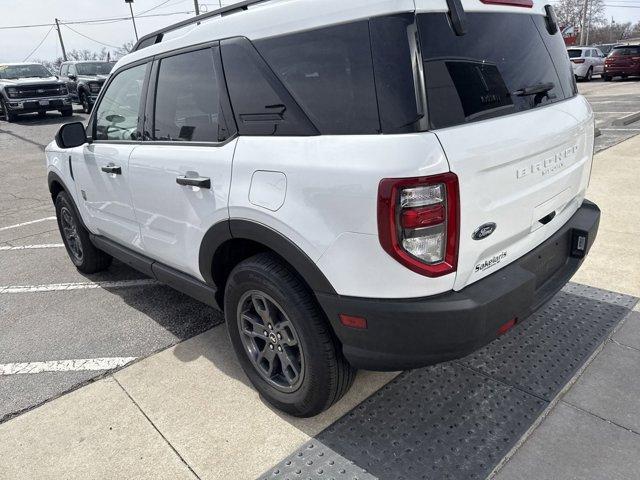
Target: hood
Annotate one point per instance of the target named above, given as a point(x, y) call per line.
point(29, 81)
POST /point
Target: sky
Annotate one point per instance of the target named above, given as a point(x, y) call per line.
point(18, 44)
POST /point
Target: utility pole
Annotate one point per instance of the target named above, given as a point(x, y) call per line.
point(133, 19)
point(64, 52)
point(195, 4)
point(583, 25)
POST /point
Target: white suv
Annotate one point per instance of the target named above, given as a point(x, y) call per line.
point(586, 62)
point(380, 185)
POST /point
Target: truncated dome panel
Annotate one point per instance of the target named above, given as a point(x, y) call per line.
point(458, 420)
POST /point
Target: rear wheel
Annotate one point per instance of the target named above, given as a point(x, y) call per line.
point(282, 339)
point(67, 112)
point(84, 255)
point(589, 75)
point(606, 78)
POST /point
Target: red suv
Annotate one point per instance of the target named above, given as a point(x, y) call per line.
point(623, 61)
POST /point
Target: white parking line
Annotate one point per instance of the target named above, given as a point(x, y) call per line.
point(56, 287)
point(32, 247)
point(27, 223)
point(77, 365)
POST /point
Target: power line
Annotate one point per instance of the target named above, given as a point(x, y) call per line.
point(97, 20)
point(88, 37)
point(38, 46)
point(156, 7)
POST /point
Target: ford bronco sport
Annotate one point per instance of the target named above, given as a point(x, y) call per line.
point(377, 185)
point(30, 87)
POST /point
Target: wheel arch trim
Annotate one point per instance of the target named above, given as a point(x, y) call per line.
point(233, 229)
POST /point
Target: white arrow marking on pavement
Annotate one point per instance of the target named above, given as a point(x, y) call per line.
point(32, 247)
point(27, 223)
point(78, 365)
point(56, 287)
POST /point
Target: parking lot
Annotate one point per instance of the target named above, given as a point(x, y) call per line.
point(471, 418)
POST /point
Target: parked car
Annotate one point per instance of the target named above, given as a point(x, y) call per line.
point(345, 205)
point(84, 80)
point(586, 62)
point(623, 61)
point(30, 87)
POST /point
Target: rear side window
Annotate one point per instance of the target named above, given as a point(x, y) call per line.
point(187, 105)
point(329, 72)
point(482, 75)
point(261, 105)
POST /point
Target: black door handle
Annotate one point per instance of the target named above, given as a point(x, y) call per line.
point(202, 182)
point(112, 169)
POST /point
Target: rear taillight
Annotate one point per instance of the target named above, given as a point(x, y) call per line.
point(577, 60)
point(418, 222)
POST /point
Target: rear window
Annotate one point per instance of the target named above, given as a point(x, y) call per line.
point(574, 53)
point(482, 75)
point(619, 51)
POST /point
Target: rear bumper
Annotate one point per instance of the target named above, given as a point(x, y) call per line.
point(618, 71)
point(411, 333)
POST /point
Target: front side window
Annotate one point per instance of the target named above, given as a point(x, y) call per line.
point(118, 112)
point(187, 105)
point(64, 70)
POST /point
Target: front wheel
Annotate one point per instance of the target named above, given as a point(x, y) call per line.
point(8, 115)
point(84, 255)
point(67, 112)
point(86, 104)
point(606, 78)
point(282, 339)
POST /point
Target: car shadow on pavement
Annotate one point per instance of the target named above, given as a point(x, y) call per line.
point(49, 119)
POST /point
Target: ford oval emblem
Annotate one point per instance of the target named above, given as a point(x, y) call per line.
point(483, 231)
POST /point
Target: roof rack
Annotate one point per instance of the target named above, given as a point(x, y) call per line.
point(158, 35)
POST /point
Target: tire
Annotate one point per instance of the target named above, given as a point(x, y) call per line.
point(606, 78)
point(84, 100)
point(67, 112)
point(301, 335)
point(42, 114)
point(84, 255)
point(8, 116)
point(589, 75)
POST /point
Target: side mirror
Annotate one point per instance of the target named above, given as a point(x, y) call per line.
point(73, 77)
point(71, 135)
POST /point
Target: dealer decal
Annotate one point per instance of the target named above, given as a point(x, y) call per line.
point(491, 262)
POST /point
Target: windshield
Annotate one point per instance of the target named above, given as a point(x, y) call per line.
point(96, 68)
point(619, 51)
point(574, 53)
point(24, 71)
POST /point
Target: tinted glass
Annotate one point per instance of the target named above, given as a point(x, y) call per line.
point(64, 69)
point(557, 50)
point(396, 62)
point(24, 71)
point(261, 104)
point(619, 51)
point(117, 114)
point(188, 99)
point(330, 74)
point(481, 74)
point(574, 53)
point(94, 68)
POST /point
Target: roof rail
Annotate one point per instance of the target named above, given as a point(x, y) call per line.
point(157, 36)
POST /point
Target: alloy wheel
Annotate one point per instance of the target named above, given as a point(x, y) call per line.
point(271, 341)
point(70, 232)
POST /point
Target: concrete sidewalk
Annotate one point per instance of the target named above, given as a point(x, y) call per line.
point(189, 412)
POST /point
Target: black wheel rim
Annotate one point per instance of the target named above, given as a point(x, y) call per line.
point(271, 341)
point(70, 234)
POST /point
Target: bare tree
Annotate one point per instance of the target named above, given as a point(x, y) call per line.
point(569, 13)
